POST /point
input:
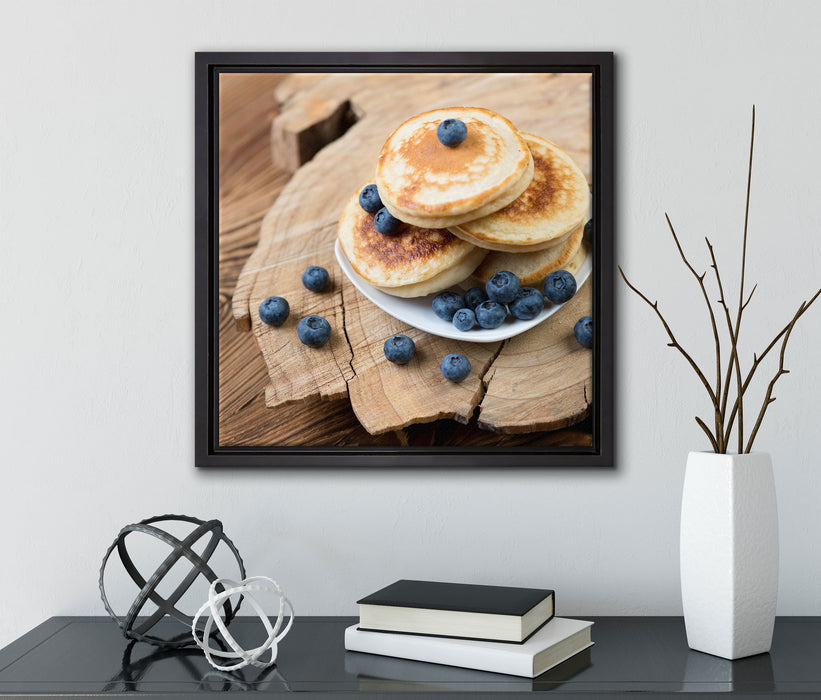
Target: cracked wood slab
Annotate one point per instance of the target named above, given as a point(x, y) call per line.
point(302, 372)
point(387, 397)
point(536, 381)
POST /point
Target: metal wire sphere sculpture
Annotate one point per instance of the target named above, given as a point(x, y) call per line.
point(137, 628)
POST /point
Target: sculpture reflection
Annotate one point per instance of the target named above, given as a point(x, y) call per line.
point(187, 668)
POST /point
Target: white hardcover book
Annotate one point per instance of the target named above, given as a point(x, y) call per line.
point(557, 641)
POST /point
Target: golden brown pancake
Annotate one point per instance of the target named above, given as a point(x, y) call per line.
point(551, 207)
point(425, 183)
point(413, 262)
point(575, 263)
point(534, 266)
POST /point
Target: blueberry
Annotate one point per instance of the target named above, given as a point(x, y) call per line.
point(399, 349)
point(588, 230)
point(451, 132)
point(385, 222)
point(503, 287)
point(583, 330)
point(315, 278)
point(490, 314)
point(446, 304)
point(560, 286)
point(370, 200)
point(464, 319)
point(474, 297)
point(528, 304)
point(314, 331)
point(274, 311)
point(455, 367)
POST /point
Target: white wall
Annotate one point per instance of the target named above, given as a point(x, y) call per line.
point(96, 282)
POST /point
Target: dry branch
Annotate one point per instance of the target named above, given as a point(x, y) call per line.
point(734, 361)
point(758, 358)
point(769, 398)
point(741, 303)
point(720, 395)
point(704, 427)
point(719, 432)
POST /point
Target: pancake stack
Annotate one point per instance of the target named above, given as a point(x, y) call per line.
point(499, 200)
point(413, 262)
point(541, 231)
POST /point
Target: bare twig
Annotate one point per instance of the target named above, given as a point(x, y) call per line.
point(744, 305)
point(769, 398)
point(704, 427)
point(725, 437)
point(758, 358)
point(717, 417)
point(741, 303)
point(674, 343)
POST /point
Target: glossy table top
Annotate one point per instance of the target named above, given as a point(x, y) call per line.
point(89, 656)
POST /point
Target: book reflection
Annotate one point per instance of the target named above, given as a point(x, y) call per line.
point(387, 674)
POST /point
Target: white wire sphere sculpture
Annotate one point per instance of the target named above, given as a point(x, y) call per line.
point(246, 589)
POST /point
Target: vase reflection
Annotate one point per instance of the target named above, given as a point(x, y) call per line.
point(711, 674)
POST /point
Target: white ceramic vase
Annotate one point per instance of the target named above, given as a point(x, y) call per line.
point(729, 553)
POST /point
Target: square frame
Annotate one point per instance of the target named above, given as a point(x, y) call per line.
point(208, 68)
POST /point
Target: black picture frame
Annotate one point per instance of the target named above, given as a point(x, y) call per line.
point(208, 67)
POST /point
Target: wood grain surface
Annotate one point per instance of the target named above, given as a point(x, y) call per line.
point(275, 391)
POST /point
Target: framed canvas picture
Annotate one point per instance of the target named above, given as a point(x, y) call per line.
point(404, 259)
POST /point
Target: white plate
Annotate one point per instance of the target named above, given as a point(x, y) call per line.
point(417, 311)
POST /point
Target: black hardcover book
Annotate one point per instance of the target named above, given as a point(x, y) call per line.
point(471, 611)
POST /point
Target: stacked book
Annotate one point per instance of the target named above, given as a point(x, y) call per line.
point(490, 628)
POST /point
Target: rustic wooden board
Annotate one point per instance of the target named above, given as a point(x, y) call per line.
point(299, 230)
